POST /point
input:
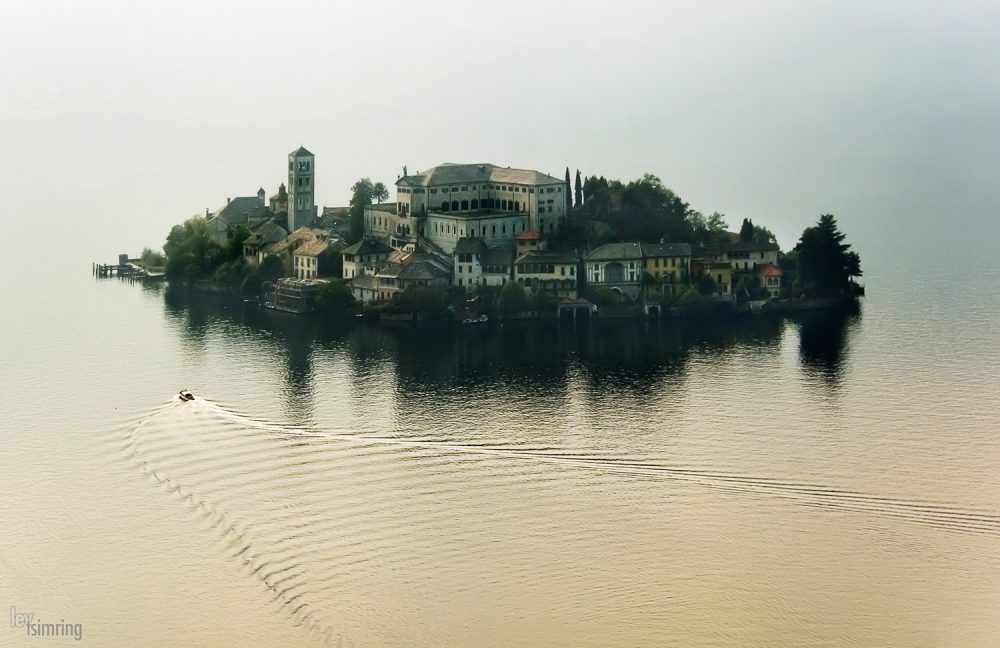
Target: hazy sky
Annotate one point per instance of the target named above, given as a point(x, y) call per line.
point(122, 118)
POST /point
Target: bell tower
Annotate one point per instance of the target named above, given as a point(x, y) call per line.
point(301, 189)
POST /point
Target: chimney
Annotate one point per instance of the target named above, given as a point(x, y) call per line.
point(206, 212)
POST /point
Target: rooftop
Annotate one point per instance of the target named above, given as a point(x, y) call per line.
point(301, 152)
point(368, 246)
point(659, 250)
point(616, 252)
point(545, 257)
point(750, 246)
point(469, 245)
point(450, 173)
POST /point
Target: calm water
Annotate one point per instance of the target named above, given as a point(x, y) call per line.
point(822, 481)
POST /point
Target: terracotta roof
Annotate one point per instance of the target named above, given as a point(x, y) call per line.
point(313, 248)
point(529, 235)
point(770, 270)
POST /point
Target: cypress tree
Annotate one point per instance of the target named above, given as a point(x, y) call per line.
point(579, 189)
point(569, 196)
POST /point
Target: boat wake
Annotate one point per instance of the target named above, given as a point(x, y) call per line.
point(322, 501)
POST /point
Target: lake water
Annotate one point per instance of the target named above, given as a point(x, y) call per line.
point(822, 481)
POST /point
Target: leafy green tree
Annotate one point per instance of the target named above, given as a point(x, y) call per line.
point(191, 254)
point(152, 260)
point(706, 286)
point(335, 296)
point(708, 231)
point(763, 235)
point(235, 247)
point(379, 193)
point(271, 268)
point(513, 299)
point(826, 264)
point(430, 302)
point(231, 274)
point(362, 194)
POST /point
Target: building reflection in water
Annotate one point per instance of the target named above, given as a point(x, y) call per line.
point(423, 376)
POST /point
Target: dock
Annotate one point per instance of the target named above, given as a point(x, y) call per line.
point(126, 268)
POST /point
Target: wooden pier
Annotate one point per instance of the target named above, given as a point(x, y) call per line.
point(124, 269)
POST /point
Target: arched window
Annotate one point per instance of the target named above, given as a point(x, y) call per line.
point(465, 205)
point(503, 204)
point(517, 205)
point(454, 205)
point(444, 205)
point(475, 204)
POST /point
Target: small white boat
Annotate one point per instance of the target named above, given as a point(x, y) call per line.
point(185, 395)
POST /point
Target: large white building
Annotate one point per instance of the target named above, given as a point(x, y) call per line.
point(453, 201)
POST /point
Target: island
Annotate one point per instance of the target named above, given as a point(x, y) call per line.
point(478, 243)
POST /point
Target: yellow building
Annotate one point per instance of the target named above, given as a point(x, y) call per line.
point(667, 262)
point(547, 272)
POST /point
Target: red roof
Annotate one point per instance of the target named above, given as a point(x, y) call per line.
point(770, 270)
point(528, 236)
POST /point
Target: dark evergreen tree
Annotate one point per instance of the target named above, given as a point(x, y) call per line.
point(579, 189)
point(746, 231)
point(825, 263)
point(569, 196)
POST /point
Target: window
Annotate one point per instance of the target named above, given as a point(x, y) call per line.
point(562, 270)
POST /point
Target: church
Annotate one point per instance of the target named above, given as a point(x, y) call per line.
point(291, 208)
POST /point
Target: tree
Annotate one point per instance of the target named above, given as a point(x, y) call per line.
point(706, 286)
point(569, 195)
point(746, 231)
point(235, 245)
point(271, 268)
point(708, 231)
point(579, 190)
point(362, 193)
point(191, 254)
point(335, 296)
point(763, 235)
point(151, 259)
point(379, 192)
point(513, 299)
point(825, 263)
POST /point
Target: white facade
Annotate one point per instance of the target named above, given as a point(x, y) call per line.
point(305, 266)
point(452, 201)
point(496, 230)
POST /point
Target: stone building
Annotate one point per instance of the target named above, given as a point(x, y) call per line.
point(453, 201)
point(301, 189)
